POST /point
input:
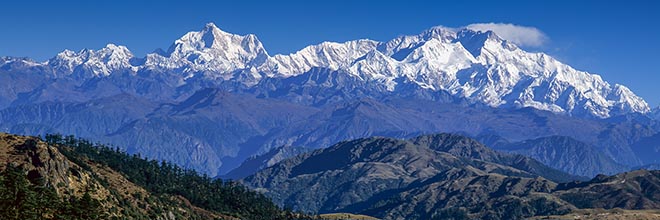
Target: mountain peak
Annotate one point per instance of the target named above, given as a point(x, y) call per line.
point(443, 33)
point(624, 95)
point(114, 47)
point(212, 36)
point(214, 29)
point(474, 41)
point(211, 50)
point(100, 62)
point(211, 25)
point(208, 37)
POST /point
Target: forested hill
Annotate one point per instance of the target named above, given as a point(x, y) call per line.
point(69, 178)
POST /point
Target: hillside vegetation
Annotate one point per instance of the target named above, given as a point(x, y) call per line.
point(70, 178)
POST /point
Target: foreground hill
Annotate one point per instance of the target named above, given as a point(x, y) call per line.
point(441, 176)
point(72, 179)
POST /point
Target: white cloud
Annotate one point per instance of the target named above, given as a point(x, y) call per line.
point(520, 35)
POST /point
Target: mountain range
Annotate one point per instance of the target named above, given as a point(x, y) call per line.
point(470, 64)
point(214, 99)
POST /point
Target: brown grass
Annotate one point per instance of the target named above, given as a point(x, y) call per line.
point(607, 214)
point(345, 216)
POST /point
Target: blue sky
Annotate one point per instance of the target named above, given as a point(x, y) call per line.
point(616, 39)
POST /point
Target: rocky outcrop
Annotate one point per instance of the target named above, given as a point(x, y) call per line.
point(41, 161)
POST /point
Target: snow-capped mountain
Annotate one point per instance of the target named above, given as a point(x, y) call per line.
point(329, 55)
point(478, 66)
point(210, 50)
point(91, 63)
point(472, 64)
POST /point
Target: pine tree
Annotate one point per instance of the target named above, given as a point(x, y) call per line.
point(19, 201)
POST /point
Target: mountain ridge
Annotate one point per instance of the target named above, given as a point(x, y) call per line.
point(438, 176)
point(475, 65)
point(566, 154)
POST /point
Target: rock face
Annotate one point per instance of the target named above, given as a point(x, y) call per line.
point(427, 177)
point(567, 154)
point(41, 161)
